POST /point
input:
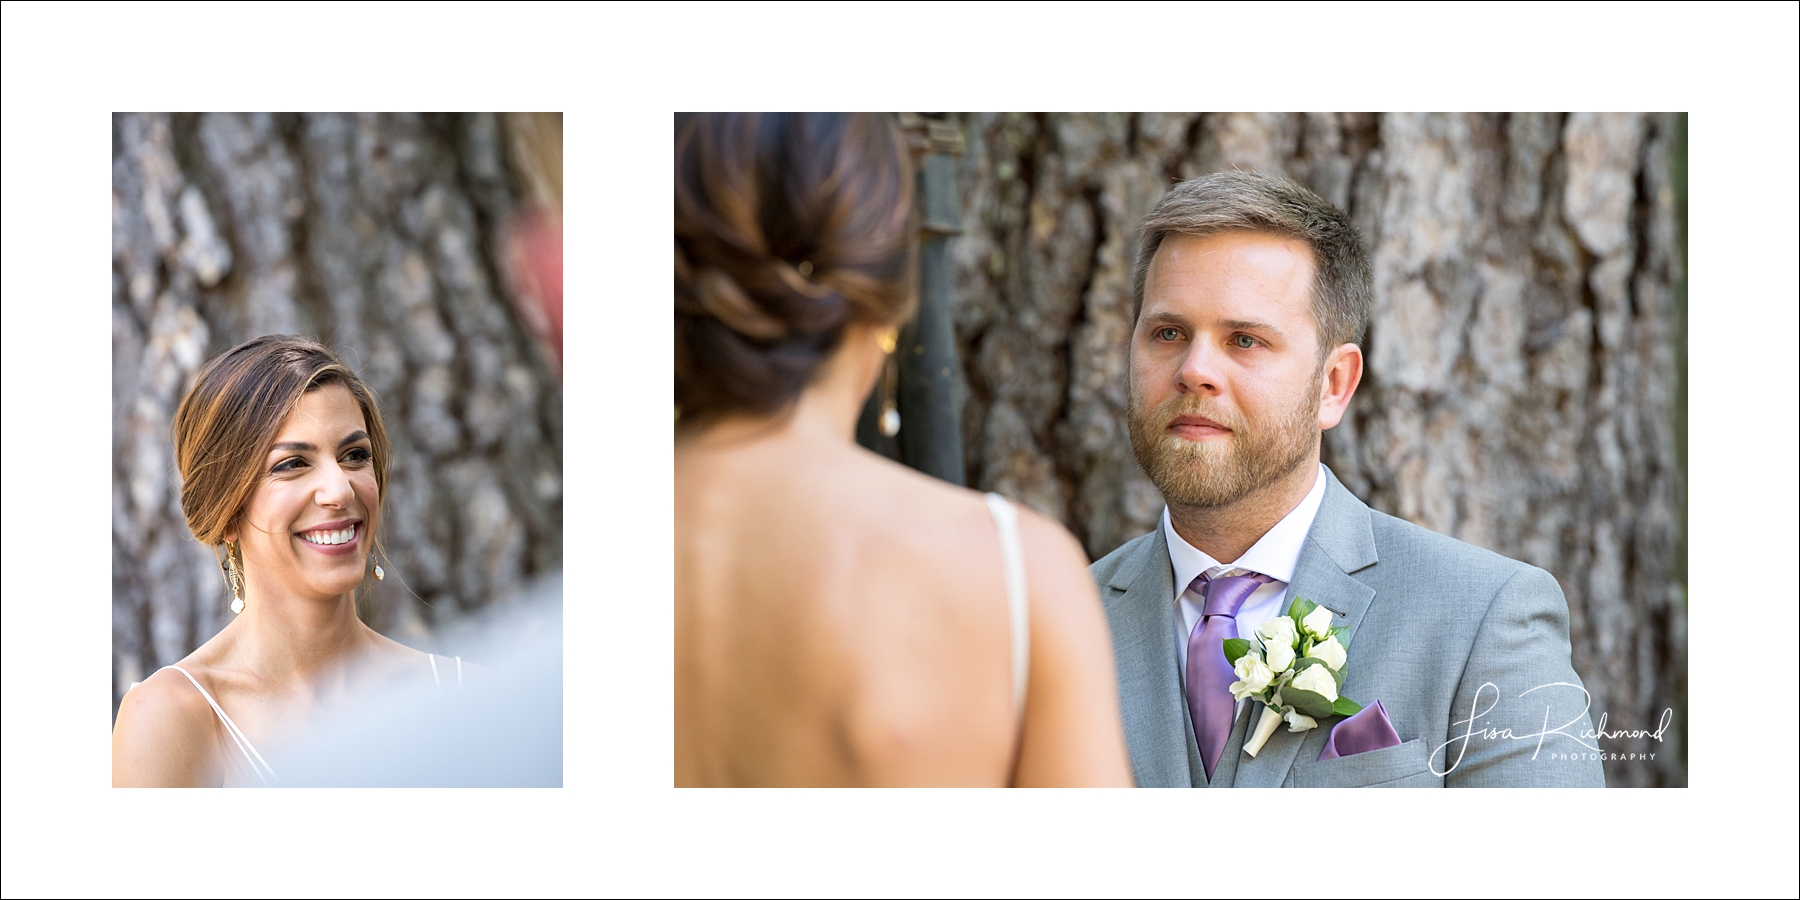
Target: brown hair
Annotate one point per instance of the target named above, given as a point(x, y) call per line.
point(230, 418)
point(1343, 281)
point(788, 226)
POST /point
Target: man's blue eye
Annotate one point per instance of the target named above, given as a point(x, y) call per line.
point(1245, 341)
point(1168, 334)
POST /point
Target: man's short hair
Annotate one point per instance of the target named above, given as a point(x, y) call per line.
point(1343, 281)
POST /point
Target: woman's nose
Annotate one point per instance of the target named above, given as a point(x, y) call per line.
point(334, 486)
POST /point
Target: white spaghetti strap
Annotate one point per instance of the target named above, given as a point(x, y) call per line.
point(434, 675)
point(257, 764)
point(1012, 560)
point(459, 673)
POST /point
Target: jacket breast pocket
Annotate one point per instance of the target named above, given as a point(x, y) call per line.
point(1403, 765)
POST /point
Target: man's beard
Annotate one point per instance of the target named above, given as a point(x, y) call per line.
point(1213, 474)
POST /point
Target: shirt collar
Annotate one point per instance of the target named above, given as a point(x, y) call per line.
point(1275, 554)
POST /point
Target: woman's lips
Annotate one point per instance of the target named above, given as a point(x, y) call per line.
point(334, 530)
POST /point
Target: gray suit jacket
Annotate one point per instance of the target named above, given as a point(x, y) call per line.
point(1452, 639)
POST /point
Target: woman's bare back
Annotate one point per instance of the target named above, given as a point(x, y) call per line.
point(841, 619)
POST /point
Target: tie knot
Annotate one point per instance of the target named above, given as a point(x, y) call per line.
point(1225, 595)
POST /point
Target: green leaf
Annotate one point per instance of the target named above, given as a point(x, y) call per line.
point(1304, 662)
point(1307, 702)
point(1298, 609)
point(1345, 707)
point(1235, 648)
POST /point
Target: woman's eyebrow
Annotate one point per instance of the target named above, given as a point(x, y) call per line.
point(352, 438)
point(301, 446)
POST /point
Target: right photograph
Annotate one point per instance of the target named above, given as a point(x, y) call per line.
point(1180, 449)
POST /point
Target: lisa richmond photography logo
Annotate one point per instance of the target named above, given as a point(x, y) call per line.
point(1588, 738)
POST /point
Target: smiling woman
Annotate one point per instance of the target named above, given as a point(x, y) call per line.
point(284, 464)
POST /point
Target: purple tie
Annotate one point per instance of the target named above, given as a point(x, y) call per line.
point(1209, 676)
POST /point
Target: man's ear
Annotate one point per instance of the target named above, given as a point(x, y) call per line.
point(1337, 384)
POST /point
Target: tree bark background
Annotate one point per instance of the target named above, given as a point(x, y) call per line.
point(381, 236)
point(1522, 373)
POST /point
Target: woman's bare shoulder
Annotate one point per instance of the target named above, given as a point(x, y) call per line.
point(164, 735)
point(1055, 563)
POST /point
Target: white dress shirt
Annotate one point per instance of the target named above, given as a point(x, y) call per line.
point(1274, 555)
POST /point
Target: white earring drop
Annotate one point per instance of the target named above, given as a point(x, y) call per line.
point(379, 575)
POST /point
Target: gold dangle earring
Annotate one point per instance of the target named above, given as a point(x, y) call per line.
point(890, 413)
point(234, 578)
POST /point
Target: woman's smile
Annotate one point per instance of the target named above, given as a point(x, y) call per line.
point(339, 538)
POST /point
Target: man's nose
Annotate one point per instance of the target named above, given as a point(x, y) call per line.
point(1199, 372)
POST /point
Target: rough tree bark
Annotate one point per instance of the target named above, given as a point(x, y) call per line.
point(378, 235)
point(1522, 374)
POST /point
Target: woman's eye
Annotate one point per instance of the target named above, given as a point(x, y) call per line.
point(1244, 341)
point(288, 465)
point(358, 455)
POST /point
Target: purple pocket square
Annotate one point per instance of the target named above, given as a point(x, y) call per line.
point(1365, 731)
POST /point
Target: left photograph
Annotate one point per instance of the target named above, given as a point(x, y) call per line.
point(337, 449)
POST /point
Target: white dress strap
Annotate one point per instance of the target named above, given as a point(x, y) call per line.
point(257, 764)
point(1012, 561)
point(434, 672)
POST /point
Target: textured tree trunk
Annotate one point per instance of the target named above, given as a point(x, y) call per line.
point(378, 235)
point(1522, 379)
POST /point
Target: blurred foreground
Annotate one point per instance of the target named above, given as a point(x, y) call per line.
point(502, 728)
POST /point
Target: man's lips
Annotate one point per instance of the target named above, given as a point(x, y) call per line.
point(1195, 428)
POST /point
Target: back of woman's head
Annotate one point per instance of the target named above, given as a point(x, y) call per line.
point(231, 416)
point(788, 226)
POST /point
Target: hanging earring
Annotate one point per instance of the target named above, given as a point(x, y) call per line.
point(890, 412)
point(234, 579)
point(379, 575)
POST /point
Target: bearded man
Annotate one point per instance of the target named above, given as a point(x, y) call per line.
point(1251, 298)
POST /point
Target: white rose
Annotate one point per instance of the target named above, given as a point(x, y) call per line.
point(1253, 676)
point(1298, 722)
point(1318, 623)
point(1328, 651)
point(1317, 680)
point(1278, 631)
point(1280, 656)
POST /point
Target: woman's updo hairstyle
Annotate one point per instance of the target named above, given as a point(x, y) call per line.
point(230, 417)
point(788, 226)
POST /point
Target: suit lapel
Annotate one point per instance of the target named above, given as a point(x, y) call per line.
point(1341, 541)
point(1141, 613)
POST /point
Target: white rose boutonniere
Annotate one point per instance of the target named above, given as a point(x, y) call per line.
point(1295, 669)
point(1253, 676)
point(1317, 623)
point(1329, 652)
point(1280, 658)
point(1279, 632)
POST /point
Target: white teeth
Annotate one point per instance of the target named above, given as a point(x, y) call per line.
point(340, 536)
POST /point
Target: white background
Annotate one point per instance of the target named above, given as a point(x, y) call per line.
point(618, 73)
